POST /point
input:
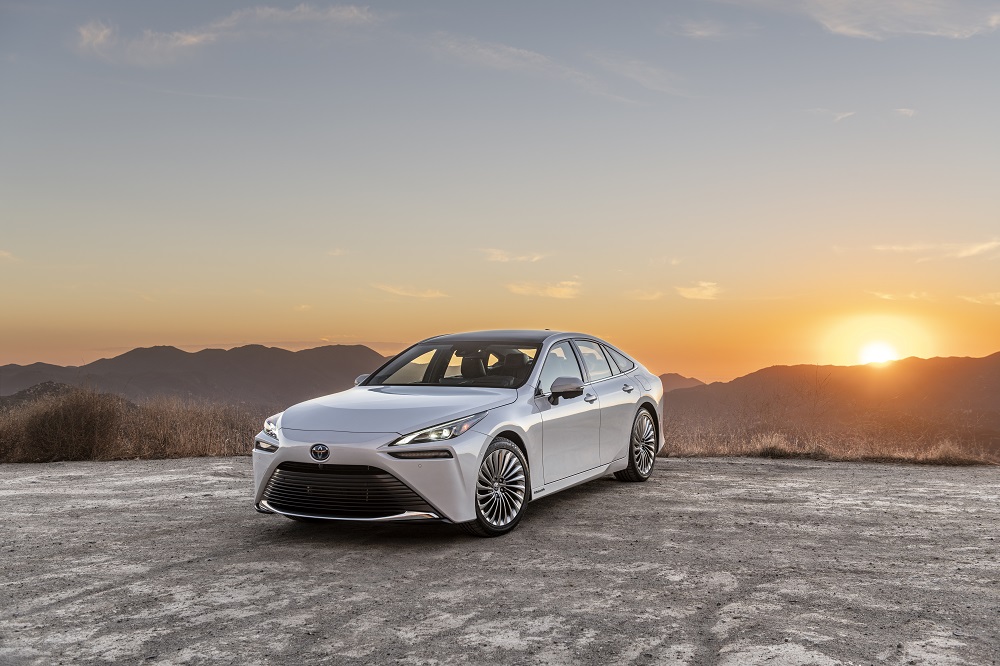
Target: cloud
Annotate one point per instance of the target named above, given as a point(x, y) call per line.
point(96, 37)
point(702, 291)
point(984, 299)
point(492, 55)
point(303, 13)
point(648, 76)
point(882, 19)
point(159, 48)
point(974, 249)
point(703, 29)
point(410, 292)
point(836, 116)
point(493, 254)
point(917, 247)
point(912, 296)
point(7, 256)
point(641, 295)
point(944, 250)
point(564, 289)
point(907, 113)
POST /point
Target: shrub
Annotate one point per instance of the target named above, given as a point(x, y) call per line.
point(86, 425)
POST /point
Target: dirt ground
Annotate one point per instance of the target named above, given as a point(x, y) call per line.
point(733, 562)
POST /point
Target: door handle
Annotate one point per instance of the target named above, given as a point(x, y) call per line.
point(627, 388)
point(590, 397)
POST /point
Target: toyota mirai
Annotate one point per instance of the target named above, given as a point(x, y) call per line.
point(466, 429)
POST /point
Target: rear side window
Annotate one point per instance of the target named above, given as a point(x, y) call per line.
point(621, 360)
point(594, 360)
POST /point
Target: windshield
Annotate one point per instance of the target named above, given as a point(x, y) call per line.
point(490, 364)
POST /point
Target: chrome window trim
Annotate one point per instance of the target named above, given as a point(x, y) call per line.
point(586, 371)
point(624, 355)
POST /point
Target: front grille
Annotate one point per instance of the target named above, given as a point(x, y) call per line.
point(340, 491)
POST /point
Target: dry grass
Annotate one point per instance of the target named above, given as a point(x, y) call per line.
point(86, 425)
point(859, 442)
point(812, 419)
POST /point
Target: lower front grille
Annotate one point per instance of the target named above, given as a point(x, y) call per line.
point(340, 491)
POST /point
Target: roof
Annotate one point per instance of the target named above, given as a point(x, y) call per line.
point(510, 337)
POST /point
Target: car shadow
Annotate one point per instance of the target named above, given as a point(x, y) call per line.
point(387, 535)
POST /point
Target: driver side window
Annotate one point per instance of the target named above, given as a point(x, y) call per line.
point(559, 362)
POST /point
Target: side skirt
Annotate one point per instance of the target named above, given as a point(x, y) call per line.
point(577, 479)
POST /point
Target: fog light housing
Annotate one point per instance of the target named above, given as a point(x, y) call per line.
point(421, 455)
point(263, 445)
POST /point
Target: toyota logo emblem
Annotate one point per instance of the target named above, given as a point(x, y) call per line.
point(319, 452)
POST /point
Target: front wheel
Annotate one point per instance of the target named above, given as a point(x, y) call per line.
point(501, 490)
point(641, 449)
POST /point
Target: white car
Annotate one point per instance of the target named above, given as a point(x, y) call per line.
point(464, 428)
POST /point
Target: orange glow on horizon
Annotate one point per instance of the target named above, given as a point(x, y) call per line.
point(878, 353)
point(876, 338)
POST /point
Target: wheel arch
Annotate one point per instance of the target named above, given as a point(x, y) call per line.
point(518, 440)
point(649, 406)
point(652, 407)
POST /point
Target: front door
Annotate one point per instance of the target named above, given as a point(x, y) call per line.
point(571, 428)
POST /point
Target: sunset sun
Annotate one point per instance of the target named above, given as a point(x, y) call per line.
point(877, 352)
point(876, 338)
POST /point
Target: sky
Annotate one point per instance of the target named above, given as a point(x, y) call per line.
point(712, 186)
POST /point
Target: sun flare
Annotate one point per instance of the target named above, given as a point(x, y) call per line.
point(875, 338)
point(878, 352)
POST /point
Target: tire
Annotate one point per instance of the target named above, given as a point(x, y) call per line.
point(502, 490)
point(642, 449)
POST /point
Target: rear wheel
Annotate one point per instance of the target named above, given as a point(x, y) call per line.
point(641, 449)
point(501, 490)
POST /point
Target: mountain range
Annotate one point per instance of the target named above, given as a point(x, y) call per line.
point(962, 392)
point(955, 396)
point(672, 381)
point(253, 375)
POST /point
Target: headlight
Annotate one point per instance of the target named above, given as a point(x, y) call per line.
point(270, 431)
point(271, 426)
point(441, 432)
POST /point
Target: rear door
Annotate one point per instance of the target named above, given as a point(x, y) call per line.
point(617, 395)
point(571, 428)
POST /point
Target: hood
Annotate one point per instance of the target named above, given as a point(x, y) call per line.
point(401, 409)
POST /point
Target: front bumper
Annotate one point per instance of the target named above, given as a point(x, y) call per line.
point(264, 507)
point(391, 489)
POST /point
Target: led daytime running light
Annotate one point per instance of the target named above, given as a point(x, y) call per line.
point(441, 432)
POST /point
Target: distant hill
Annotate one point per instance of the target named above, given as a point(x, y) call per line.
point(36, 392)
point(937, 397)
point(253, 374)
point(672, 381)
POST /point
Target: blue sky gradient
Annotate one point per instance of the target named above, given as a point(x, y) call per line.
point(714, 185)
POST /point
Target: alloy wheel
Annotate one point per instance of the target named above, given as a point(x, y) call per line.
point(500, 488)
point(644, 443)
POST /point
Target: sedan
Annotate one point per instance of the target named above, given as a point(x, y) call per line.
point(465, 428)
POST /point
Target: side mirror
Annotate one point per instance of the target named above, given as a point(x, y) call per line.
point(565, 387)
point(360, 378)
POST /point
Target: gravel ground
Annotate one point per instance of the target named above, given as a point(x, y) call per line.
point(714, 561)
